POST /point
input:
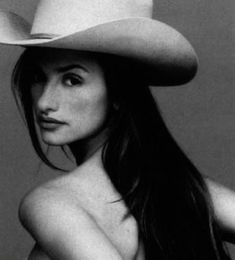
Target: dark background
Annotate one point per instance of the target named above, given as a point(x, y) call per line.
point(200, 114)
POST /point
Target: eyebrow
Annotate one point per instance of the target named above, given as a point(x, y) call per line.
point(70, 67)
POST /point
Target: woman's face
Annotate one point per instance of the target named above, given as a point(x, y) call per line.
point(69, 96)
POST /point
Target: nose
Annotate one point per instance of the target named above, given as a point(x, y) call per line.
point(47, 99)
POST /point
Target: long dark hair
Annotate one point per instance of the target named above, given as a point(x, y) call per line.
point(161, 187)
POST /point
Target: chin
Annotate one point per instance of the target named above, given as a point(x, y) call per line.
point(54, 140)
point(59, 138)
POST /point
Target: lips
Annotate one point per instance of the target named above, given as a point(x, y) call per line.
point(49, 123)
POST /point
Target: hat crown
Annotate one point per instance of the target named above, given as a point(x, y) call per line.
point(61, 17)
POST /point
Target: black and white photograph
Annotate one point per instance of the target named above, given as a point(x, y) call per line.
point(117, 134)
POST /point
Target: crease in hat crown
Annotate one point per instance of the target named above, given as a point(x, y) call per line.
point(61, 17)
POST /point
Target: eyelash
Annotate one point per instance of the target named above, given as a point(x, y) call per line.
point(78, 80)
point(39, 78)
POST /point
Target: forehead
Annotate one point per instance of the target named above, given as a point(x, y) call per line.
point(50, 58)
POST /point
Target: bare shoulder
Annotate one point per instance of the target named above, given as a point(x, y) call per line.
point(222, 196)
point(64, 229)
point(59, 195)
point(49, 200)
point(70, 195)
point(223, 200)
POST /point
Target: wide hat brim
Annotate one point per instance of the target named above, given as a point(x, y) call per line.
point(166, 56)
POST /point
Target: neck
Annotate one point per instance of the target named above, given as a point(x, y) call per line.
point(83, 149)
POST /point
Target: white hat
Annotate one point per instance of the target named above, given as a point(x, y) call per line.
point(120, 27)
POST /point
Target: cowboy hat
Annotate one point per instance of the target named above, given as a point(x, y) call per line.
point(119, 27)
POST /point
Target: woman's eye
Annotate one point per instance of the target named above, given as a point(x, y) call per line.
point(72, 80)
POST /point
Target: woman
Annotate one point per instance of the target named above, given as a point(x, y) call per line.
point(83, 82)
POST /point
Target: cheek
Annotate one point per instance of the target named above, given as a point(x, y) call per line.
point(88, 111)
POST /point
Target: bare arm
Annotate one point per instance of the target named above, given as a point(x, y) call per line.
point(223, 200)
point(64, 231)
